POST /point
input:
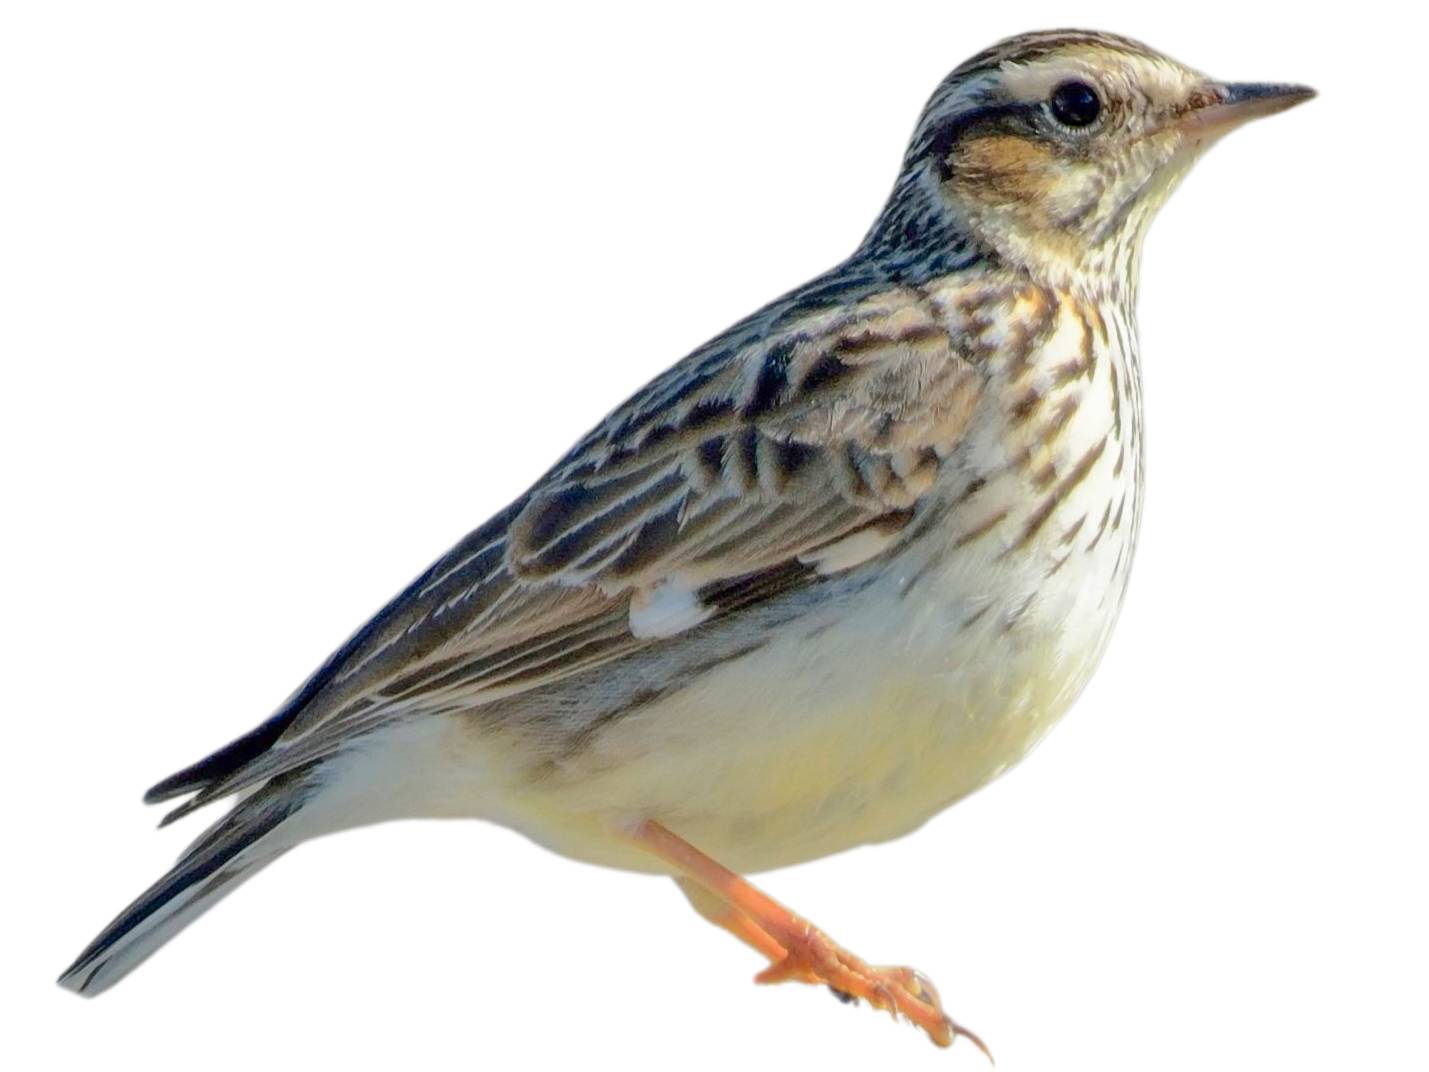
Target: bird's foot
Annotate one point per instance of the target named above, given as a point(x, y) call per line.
point(812, 957)
point(796, 949)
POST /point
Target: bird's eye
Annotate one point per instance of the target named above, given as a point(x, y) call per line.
point(1076, 104)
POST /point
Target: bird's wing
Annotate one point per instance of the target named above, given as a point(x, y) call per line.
point(741, 473)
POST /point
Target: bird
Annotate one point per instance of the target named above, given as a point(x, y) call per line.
point(825, 576)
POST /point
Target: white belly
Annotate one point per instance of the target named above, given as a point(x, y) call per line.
point(814, 744)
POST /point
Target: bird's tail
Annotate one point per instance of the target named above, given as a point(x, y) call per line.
point(237, 846)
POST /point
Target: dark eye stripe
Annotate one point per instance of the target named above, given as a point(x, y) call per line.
point(1020, 117)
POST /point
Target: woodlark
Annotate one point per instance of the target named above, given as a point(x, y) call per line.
point(833, 571)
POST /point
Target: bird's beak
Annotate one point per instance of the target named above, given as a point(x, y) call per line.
point(1225, 106)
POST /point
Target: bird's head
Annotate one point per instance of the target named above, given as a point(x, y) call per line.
point(1054, 150)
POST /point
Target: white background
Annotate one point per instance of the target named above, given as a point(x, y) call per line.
point(294, 295)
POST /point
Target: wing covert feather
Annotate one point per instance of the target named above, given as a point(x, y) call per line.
point(737, 475)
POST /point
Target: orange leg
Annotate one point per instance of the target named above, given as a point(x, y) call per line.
point(736, 922)
point(798, 951)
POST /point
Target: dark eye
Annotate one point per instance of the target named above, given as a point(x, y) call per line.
point(1076, 104)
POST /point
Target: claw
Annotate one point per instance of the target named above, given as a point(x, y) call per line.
point(959, 1029)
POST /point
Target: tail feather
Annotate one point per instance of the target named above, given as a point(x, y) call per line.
point(235, 848)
